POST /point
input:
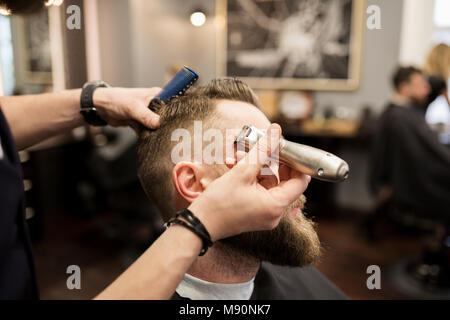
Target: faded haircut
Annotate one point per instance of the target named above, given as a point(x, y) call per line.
point(154, 147)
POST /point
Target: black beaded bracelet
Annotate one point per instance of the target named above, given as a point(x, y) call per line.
point(193, 220)
point(193, 224)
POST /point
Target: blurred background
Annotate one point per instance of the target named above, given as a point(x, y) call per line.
point(322, 69)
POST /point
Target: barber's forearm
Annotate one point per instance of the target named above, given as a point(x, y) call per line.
point(34, 118)
point(159, 270)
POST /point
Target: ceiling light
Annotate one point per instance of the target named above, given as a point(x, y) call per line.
point(198, 18)
point(55, 3)
point(4, 11)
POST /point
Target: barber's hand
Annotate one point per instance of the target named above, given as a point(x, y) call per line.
point(123, 106)
point(236, 202)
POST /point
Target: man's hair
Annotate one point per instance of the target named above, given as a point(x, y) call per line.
point(403, 75)
point(154, 147)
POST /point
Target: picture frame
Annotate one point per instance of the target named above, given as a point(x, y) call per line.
point(291, 44)
point(33, 48)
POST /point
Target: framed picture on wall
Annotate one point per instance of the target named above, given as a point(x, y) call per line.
point(291, 44)
point(32, 47)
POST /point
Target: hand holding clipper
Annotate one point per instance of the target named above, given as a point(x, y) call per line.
point(317, 163)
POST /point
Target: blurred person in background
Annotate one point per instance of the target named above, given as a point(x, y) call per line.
point(437, 67)
point(408, 163)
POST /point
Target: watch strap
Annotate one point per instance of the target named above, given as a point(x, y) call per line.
point(88, 109)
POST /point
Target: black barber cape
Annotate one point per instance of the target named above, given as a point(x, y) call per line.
point(408, 157)
point(17, 279)
point(274, 282)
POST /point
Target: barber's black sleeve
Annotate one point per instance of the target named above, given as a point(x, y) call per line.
point(17, 278)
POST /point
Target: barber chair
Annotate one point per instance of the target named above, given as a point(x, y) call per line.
point(128, 216)
point(426, 276)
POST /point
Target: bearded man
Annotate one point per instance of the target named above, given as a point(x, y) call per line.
point(273, 264)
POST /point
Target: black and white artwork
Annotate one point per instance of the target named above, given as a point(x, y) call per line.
point(31, 41)
point(300, 44)
point(38, 42)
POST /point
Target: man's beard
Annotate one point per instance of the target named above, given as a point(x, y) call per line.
point(294, 242)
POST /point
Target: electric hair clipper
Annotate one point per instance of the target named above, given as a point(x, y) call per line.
point(317, 163)
point(178, 85)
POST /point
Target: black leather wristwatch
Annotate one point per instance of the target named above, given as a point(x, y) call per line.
point(88, 109)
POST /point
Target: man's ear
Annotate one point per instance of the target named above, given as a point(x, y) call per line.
point(189, 179)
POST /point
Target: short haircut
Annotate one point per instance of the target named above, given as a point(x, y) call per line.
point(154, 147)
point(403, 75)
